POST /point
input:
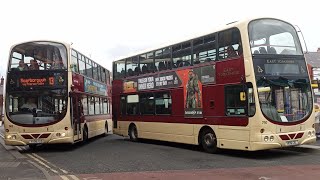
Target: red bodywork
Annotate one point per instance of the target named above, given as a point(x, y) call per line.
point(229, 71)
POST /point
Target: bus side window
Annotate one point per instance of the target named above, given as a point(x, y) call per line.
point(204, 49)
point(229, 44)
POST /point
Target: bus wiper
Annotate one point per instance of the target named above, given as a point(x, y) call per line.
point(300, 83)
point(282, 82)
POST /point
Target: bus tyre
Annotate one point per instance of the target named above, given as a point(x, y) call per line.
point(85, 134)
point(133, 133)
point(209, 141)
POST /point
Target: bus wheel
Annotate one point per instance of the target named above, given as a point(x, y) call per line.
point(85, 134)
point(133, 133)
point(209, 141)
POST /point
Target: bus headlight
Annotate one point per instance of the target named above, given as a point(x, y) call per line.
point(271, 138)
point(266, 138)
point(11, 137)
point(61, 134)
point(312, 133)
point(309, 133)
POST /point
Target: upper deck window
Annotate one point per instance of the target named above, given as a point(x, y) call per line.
point(229, 44)
point(163, 59)
point(38, 56)
point(270, 36)
point(119, 69)
point(132, 66)
point(204, 49)
point(181, 54)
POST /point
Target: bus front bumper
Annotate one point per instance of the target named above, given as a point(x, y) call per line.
point(14, 142)
point(18, 142)
point(264, 145)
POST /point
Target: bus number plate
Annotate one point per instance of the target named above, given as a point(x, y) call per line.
point(292, 143)
point(36, 141)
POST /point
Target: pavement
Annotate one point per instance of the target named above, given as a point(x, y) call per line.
point(16, 166)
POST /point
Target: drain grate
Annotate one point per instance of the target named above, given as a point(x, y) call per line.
point(9, 164)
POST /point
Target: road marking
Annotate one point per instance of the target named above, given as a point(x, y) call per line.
point(64, 177)
point(310, 146)
point(42, 159)
point(74, 177)
point(46, 174)
point(42, 163)
point(264, 178)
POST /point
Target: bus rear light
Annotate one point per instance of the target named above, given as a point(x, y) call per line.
point(66, 128)
point(261, 130)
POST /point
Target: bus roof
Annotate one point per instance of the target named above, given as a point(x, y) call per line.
point(30, 41)
point(241, 23)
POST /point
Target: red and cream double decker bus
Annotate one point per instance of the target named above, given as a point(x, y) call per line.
point(244, 86)
point(54, 94)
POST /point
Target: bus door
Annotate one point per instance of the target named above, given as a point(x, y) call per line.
point(76, 117)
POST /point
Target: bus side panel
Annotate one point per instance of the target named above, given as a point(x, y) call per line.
point(213, 100)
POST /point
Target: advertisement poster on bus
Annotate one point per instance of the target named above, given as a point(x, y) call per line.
point(94, 87)
point(159, 81)
point(190, 79)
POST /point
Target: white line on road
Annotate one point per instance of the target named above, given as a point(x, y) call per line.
point(310, 146)
point(64, 177)
point(49, 163)
point(42, 163)
point(41, 169)
point(2, 135)
point(74, 177)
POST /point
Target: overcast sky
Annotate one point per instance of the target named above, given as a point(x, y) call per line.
point(109, 29)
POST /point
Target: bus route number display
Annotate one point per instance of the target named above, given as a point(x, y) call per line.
point(36, 81)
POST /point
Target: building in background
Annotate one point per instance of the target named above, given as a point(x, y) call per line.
point(313, 60)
